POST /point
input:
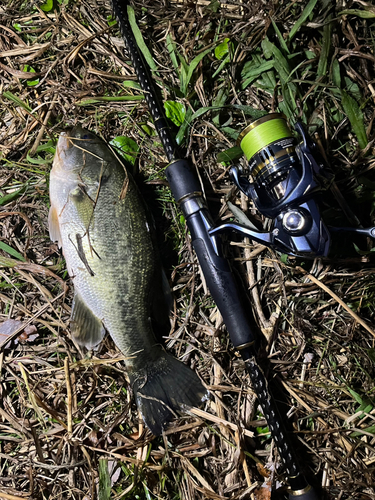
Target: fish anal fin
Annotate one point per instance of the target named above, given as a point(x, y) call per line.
point(87, 329)
point(54, 226)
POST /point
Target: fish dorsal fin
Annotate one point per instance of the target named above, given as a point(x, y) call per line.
point(87, 329)
point(53, 225)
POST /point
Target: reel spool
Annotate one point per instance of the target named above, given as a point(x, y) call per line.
point(269, 146)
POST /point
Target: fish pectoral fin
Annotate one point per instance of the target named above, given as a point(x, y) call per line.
point(87, 329)
point(53, 225)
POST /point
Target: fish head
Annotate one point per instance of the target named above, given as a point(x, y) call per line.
point(79, 168)
point(78, 150)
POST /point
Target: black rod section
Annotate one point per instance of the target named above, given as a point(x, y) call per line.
point(220, 280)
point(144, 78)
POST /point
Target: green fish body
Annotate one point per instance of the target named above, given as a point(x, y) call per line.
point(99, 219)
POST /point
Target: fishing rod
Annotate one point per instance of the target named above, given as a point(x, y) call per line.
point(187, 192)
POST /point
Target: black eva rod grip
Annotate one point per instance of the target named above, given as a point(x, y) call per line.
point(219, 278)
point(182, 180)
point(221, 283)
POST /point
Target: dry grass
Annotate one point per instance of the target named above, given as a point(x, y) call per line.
point(64, 416)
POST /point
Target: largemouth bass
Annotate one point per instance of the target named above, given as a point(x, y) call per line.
point(99, 219)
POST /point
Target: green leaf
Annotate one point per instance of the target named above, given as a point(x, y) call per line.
point(111, 21)
point(354, 113)
point(47, 6)
point(253, 69)
point(140, 40)
point(241, 216)
point(281, 64)
point(148, 130)
point(365, 14)
point(280, 37)
point(284, 258)
point(370, 429)
point(16, 100)
point(38, 160)
point(8, 262)
point(326, 47)
point(127, 147)
point(219, 102)
point(230, 155)
point(305, 14)
point(104, 480)
point(230, 132)
point(4, 200)
point(356, 396)
point(6, 248)
point(172, 51)
point(202, 111)
point(194, 63)
point(352, 88)
point(175, 111)
point(130, 84)
point(29, 69)
point(250, 111)
point(363, 252)
point(95, 100)
point(222, 64)
point(222, 49)
point(336, 73)
point(180, 137)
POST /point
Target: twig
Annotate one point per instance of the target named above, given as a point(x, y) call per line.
point(217, 420)
point(43, 127)
point(29, 321)
point(341, 302)
point(69, 395)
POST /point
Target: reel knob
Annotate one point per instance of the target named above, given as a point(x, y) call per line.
point(296, 222)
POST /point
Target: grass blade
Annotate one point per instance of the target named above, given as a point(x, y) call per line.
point(255, 71)
point(305, 14)
point(16, 100)
point(7, 198)
point(104, 480)
point(172, 52)
point(355, 115)
point(283, 44)
point(365, 14)
point(6, 248)
point(140, 40)
point(326, 47)
point(194, 63)
point(95, 100)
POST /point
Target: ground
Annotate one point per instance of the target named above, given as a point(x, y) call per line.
point(69, 428)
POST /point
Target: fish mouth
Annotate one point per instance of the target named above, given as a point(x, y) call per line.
point(70, 146)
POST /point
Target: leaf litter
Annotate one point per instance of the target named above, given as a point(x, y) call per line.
point(68, 423)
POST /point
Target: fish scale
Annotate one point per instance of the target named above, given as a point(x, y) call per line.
point(100, 221)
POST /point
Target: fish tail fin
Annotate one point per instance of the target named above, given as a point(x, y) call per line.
point(165, 387)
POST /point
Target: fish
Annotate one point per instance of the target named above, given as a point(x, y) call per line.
point(100, 221)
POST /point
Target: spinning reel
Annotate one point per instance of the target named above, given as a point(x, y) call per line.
point(285, 184)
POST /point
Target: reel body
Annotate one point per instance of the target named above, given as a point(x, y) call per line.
point(284, 188)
